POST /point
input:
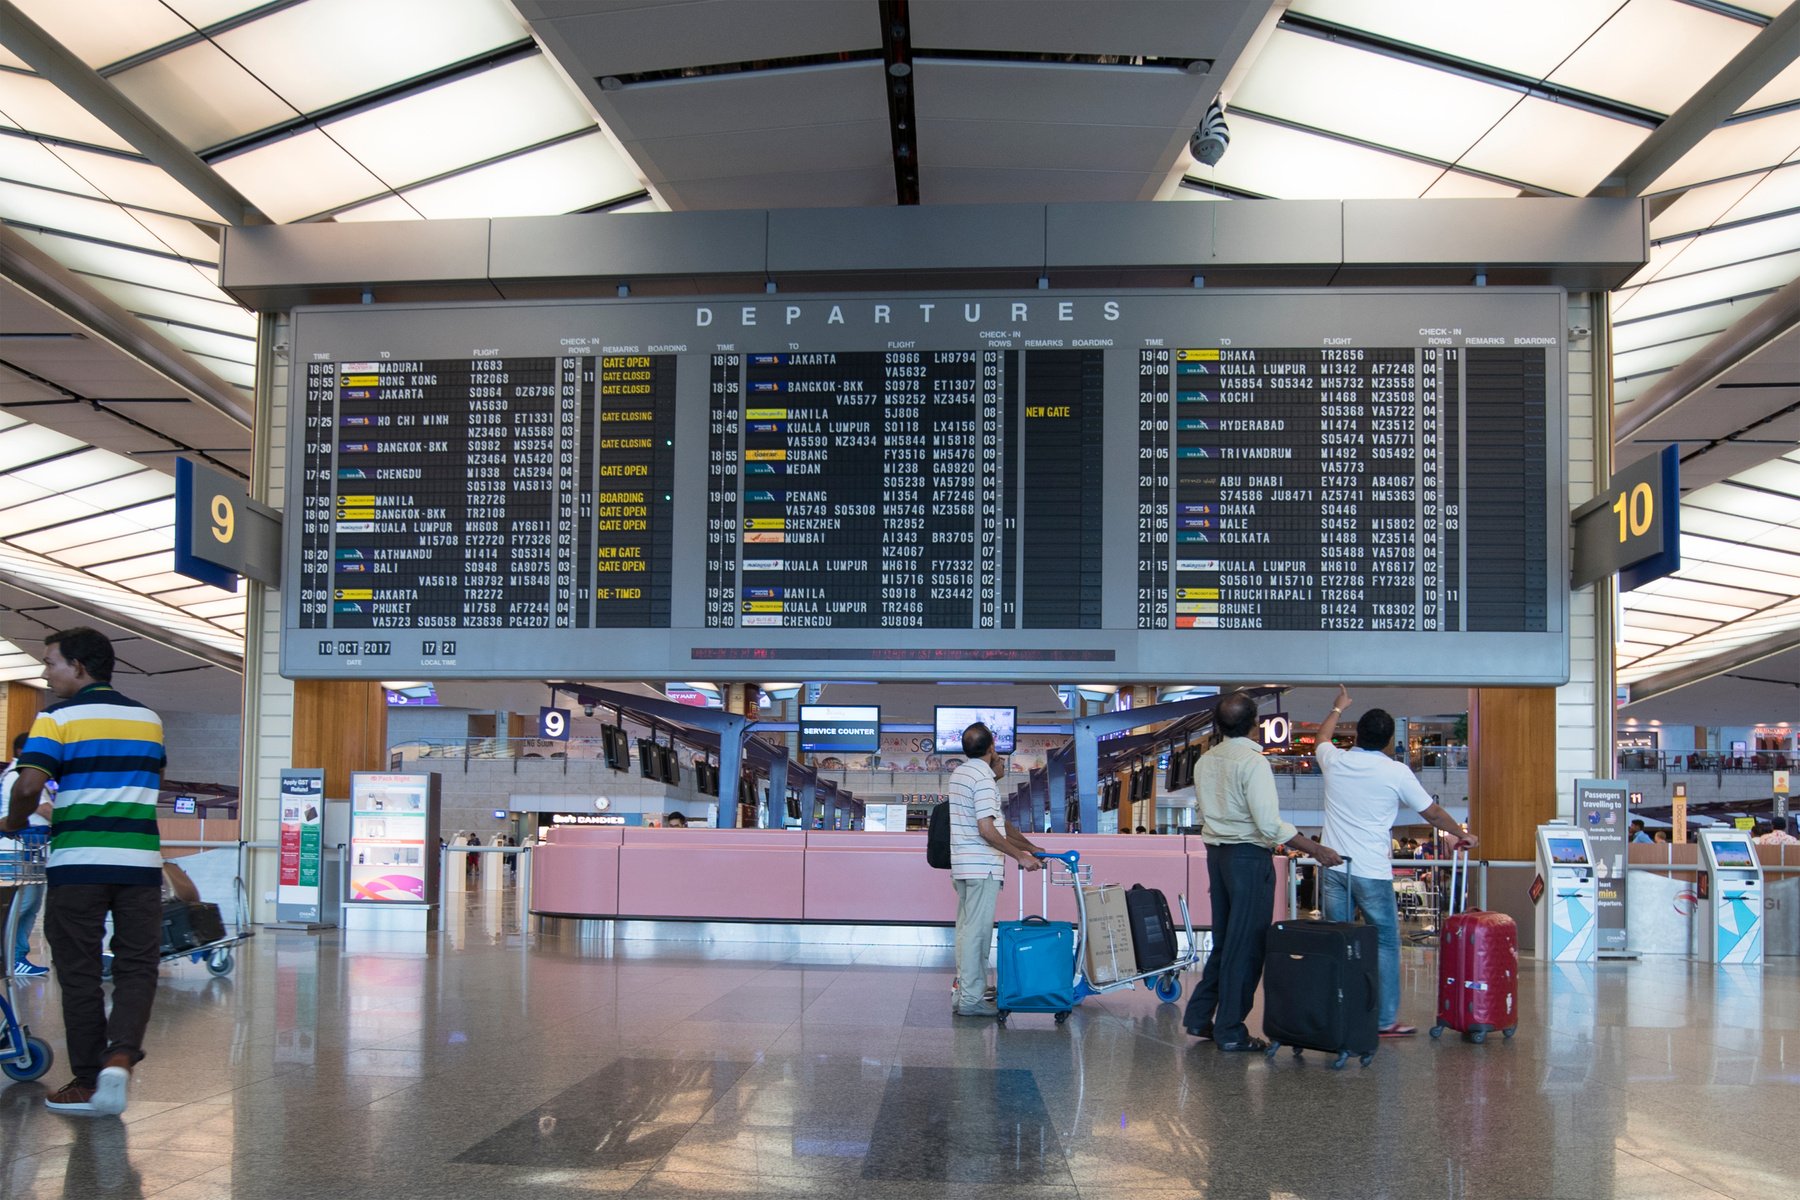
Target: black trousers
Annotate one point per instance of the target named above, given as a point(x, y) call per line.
point(1242, 879)
point(74, 924)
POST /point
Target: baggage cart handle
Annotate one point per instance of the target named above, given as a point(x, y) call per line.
point(1459, 898)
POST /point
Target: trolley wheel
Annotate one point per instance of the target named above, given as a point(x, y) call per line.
point(220, 961)
point(1478, 1037)
point(39, 1057)
point(1508, 1033)
point(1062, 1016)
point(1299, 1053)
point(1168, 988)
point(1004, 1013)
point(1437, 1031)
point(1367, 1059)
point(1343, 1057)
point(1271, 1051)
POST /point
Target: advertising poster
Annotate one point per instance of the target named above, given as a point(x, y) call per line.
point(393, 838)
point(302, 848)
point(1600, 810)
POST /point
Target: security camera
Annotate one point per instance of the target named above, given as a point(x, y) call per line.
point(587, 710)
point(1209, 141)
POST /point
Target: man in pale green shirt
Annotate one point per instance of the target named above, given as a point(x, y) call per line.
point(1242, 828)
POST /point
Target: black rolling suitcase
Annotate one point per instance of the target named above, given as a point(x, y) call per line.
point(1322, 987)
point(1153, 941)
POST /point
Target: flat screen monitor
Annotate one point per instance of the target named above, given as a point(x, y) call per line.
point(1567, 851)
point(671, 767)
point(1733, 854)
point(952, 720)
point(842, 729)
point(649, 759)
point(184, 806)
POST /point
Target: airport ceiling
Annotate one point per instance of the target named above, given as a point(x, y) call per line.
point(133, 131)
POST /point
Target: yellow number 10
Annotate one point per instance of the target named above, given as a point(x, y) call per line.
point(225, 519)
point(1635, 509)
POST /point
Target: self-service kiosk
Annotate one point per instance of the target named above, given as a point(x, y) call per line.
point(1570, 902)
point(1733, 911)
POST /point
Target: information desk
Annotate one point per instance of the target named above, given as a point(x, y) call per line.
point(825, 876)
point(1292, 485)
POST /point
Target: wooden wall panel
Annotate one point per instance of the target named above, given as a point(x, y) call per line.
point(340, 725)
point(1512, 768)
point(22, 704)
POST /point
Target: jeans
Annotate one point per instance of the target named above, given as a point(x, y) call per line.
point(1242, 881)
point(1375, 897)
point(30, 900)
point(975, 900)
point(74, 923)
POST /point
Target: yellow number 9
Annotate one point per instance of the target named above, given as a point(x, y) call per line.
point(224, 519)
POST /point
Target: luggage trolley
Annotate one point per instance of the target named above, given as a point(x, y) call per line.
point(22, 1056)
point(216, 954)
point(1164, 982)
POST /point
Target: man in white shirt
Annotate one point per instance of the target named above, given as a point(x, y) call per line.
point(30, 899)
point(1365, 788)
point(980, 844)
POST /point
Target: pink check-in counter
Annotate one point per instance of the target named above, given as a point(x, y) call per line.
point(828, 877)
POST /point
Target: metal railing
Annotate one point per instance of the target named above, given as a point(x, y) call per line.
point(1479, 866)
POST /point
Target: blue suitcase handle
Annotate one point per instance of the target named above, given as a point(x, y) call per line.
point(1068, 857)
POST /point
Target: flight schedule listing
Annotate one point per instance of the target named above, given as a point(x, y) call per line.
point(1394, 488)
point(881, 489)
point(486, 493)
point(1125, 485)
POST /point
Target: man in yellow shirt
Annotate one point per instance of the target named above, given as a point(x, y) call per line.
point(1242, 830)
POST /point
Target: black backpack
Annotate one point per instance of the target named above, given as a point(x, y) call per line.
point(937, 837)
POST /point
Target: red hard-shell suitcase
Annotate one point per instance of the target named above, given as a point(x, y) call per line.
point(1478, 967)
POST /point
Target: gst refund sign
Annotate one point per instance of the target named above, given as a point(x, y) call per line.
point(1633, 527)
point(220, 533)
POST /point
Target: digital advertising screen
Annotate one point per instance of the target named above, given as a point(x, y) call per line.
point(1733, 854)
point(840, 728)
point(952, 720)
point(1568, 852)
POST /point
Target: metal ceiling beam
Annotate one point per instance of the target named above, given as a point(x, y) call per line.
point(51, 282)
point(180, 642)
point(1767, 55)
point(1763, 324)
point(1743, 656)
point(84, 85)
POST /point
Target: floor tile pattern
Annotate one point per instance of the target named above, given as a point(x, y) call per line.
point(482, 1064)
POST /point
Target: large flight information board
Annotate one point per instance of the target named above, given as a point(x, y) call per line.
point(1132, 486)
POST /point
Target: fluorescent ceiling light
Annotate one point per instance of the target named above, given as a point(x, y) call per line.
point(1554, 146)
point(566, 177)
point(36, 105)
point(299, 176)
point(1274, 160)
point(1533, 37)
point(1733, 150)
point(100, 32)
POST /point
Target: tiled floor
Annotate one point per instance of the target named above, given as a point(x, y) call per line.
point(488, 1068)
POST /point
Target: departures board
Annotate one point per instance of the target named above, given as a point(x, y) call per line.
point(1134, 486)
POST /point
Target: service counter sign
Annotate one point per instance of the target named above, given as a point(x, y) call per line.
point(302, 836)
point(1600, 810)
point(393, 838)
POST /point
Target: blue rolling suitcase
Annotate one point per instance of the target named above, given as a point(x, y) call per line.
point(1035, 963)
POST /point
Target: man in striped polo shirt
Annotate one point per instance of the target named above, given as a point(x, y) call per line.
point(105, 753)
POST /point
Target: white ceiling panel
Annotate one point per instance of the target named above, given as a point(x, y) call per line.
point(1734, 149)
point(1274, 160)
point(1125, 150)
point(1530, 37)
point(323, 52)
point(803, 149)
point(1705, 287)
point(1128, 27)
point(566, 177)
point(1371, 97)
point(1455, 185)
point(36, 105)
point(134, 181)
point(630, 37)
point(1783, 89)
point(1656, 331)
point(202, 95)
point(1654, 54)
point(104, 31)
point(299, 176)
point(29, 161)
point(478, 117)
point(1554, 146)
point(149, 269)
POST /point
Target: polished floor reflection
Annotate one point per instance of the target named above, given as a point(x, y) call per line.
point(396, 1067)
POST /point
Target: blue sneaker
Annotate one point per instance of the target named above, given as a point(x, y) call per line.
point(28, 969)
